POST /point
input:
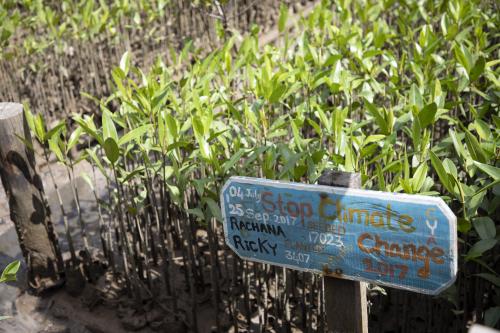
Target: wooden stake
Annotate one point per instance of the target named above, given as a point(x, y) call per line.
point(24, 189)
point(345, 300)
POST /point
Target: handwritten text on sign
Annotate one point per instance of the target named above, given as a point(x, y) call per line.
point(403, 241)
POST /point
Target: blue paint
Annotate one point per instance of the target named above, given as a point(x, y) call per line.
point(403, 241)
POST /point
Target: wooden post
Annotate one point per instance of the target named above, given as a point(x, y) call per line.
point(345, 300)
point(24, 189)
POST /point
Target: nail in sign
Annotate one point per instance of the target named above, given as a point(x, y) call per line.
point(398, 240)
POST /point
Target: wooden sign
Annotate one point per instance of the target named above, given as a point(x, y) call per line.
point(398, 240)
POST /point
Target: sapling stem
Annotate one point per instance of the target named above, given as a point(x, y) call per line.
point(101, 224)
point(74, 190)
point(63, 212)
point(123, 237)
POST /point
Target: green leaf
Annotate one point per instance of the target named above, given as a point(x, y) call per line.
point(441, 172)
point(172, 126)
point(373, 138)
point(27, 143)
point(233, 160)
point(457, 143)
point(174, 191)
point(134, 134)
point(89, 128)
point(111, 149)
point(463, 225)
point(214, 208)
point(278, 89)
point(29, 118)
point(492, 171)
point(55, 130)
point(40, 128)
point(73, 139)
point(490, 277)
point(197, 212)
point(296, 133)
point(483, 129)
point(463, 56)
point(125, 63)
point(450, 167)
point(167, 171)
point(108, 126)
point(485, 227)
point(350, 160)
point(419, 177)
point(97, 162)
point(487, 187)
point(474, 147)
point(4, 317)
point(438, 94)
point(56, 149)
point(415, 97)
point(283, 17)
point(427, 114)
point(198, 126)
point(9, 273)
point(88, 180)
point(478, 69)
point(132, 174)
point(480, 247)
point(492, 316)
point(199, 132)
point(379, 117)
point(160, 98)
point(234, 112)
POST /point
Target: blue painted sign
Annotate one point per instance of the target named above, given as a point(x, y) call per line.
point(399, 240)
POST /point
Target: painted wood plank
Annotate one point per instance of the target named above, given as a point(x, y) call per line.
point(397, 240)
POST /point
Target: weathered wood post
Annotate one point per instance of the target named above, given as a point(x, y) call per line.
point(346, 306)
point(24, 190)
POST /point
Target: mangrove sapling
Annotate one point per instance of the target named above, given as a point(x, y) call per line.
point(112, 155)
point(193, 227)
point(74, 189)
point(276, 300)
point(58, 146)
point(166, 248)
point(164, 230)
point(189, 234)
point(321, 306)
point(132, 230)
point(258, 289)
point(64, 216)
point(214, 260)
point(104, 229)
point(189, 267)
point(95, 163)
point(146, 249)
point(148, 246)
point(169, 223)
point(303, 302)
point(234, 288)
point(113, 230)
point(152, 215)
point(136, 195)
point(181, 240)
point(246, 283)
